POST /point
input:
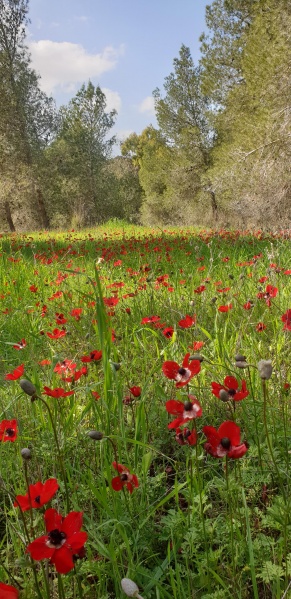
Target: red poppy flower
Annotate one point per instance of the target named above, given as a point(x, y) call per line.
point(225, 308)
point(196, 345)
point(94, 356)
point(20, 345)
point(248, 306)
point(8, 430)
point(135, 391)
point(65, 366)
point(57, 334)
point(185, 411)
point(33, 288)
point(231, 387)
point(286, 318)
point(124, 478)
point(60, 319)
point(8, 592)
point(168, 332)
point(150, 319)
point(16, 374)
point(268, 294)
point(110, 301)
point(96, 395)
point(76, 313)
point(260, 327)
point(224, 441)
point(181, 374)
point(58, 392)
point(186, 437)
point(187, 322)
point(76, 375)
point(39, 494)
point(45, 362)
point(64, 539)
point(200, 289)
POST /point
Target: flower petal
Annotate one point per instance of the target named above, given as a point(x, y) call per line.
point(52, 520)
point(39, 550)
point(72, 523)
point(63, 559)
point(230, 430)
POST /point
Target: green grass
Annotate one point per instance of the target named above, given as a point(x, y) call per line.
point(197, 526)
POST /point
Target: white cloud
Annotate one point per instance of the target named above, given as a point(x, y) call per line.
point(82, 19)
point(64, 66)
point(113, 99)
point(147, 105)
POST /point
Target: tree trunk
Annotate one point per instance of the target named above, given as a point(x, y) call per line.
point(213, 205)
point(42, 208)
point(9, 217)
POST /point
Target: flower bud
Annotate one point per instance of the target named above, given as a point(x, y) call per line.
point(240, 361)
point(28, 387)
point(116, 366)
point(265, 369)
point(196, 357)
point(26, 454)
point(96, 435)
point(130, 588)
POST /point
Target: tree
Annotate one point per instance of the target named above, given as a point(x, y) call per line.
point(251, 158)
point(26, 119)
point(228, 23)
point(80, 151)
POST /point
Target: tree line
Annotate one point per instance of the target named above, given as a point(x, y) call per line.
point(219, 155)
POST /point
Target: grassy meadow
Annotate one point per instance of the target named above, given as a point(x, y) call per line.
point(136, 346)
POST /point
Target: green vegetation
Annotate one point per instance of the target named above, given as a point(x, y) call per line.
point(97, 321)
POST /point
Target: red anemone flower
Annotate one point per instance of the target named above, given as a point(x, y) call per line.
point(187, 322)
point(57, 334)
point(186, 437)
point(124, 478)
point(231, 387)
point(286, 318)
point(63, 541)
point(76, 313)
point(65, 366)
point(225, 308)
point(58, 392)
point(150, 319)
point(39, 494)
point(94, 356)
point(8, 592)
point(8, 430)
point(16, 374)
point(168, 332)
point(181, 374)
point(260, 327)
point(135, 391)
point(224, 441)
point(185, 411)
point(20, 345)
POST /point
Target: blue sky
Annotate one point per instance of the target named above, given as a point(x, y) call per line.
point(125, 46)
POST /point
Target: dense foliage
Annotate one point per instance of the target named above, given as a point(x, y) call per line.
point(220, 152)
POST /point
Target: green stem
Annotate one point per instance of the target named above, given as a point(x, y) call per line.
point(229, 502)
point(265, 395)
point(256, 421)
point(59, 451)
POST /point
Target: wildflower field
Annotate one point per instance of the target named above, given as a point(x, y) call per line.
point(145, 414)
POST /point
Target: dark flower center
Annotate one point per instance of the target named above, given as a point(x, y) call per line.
point(187, 434)
point(188, 406)
point(37, 499)
point(10, 432)
point(123, 476)
point(56, 537)
point(182, 371)
point(231, 392)
point(225, 442)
